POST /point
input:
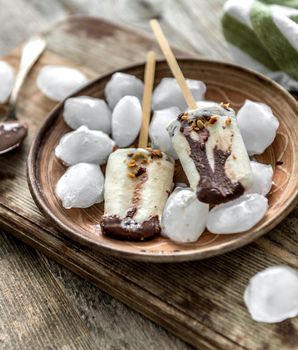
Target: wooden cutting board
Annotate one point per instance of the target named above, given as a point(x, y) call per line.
point(201, 302)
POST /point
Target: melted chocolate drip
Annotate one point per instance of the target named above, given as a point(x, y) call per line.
point(215, 186)
point(11, 135)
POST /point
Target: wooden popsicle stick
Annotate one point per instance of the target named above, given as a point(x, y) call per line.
point(148, 87)
point(173, 64)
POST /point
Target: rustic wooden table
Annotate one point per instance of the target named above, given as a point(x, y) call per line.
point(33, 283)
point(37, 291)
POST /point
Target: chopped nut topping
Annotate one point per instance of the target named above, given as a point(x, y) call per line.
point(139, 155)
point(228, 121)
point(156, 153)
point(132, 163)
point(138, 160)
point(234, 157)
point(225, 105)
point(200, 124)
point(184, 117)
point(213, 119)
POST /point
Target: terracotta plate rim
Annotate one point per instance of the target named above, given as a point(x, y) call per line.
point(182, 255)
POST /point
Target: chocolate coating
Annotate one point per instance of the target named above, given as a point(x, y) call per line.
point(214, 186)
point(128, 229)
point(11, 135)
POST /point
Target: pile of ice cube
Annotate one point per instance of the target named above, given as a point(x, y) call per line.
point(100, 126)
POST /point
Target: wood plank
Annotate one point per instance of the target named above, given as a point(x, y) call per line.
point(201, 301)
point(195, 19)
point(99, 313)
point(212, 300)
point(48, 319)
point(113, 324)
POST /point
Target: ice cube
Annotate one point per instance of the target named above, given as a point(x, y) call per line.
point(262, 178)
point(168, 94)
point(206, 104)
point(180, 184)
point(57, 82)
point(89, 111)
point(126, 121)
point(238, 215)
point(122, 84)
point(158, 133)
point(184, 217)
point(272, 294)
point(6, 80)
point(258, 126)
point(84, 145)
point(81, 186)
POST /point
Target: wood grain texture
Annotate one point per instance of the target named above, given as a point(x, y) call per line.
point(51, 319)
point(195, 18)
point(102, 317)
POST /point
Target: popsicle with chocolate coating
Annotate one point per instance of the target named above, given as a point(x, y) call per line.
point(138, 183)
point(212, 153)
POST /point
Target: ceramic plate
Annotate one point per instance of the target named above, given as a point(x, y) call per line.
point(225, 83)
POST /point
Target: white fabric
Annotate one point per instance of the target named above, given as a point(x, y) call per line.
point(287, 27)
point(284, 10)
point(240, 10)
point(246, 60)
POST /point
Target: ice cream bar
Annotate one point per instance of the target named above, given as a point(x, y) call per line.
point(212, 153)
point(138, 183)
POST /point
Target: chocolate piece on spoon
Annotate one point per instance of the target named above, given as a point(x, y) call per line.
point(11, 135)
point(12, 132)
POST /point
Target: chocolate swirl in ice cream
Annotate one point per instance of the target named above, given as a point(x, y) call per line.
point(214, 186)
